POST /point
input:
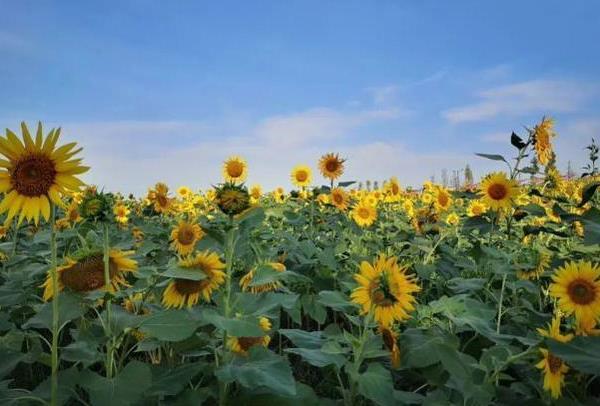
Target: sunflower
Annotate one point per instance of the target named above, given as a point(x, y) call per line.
point(246, 280)
point(301, 176)
point(541, 261)
point(385, 289)
point(498, 192)
point(476, 208)
point(121, 213)
point(241, 345)
point(186, 292)
point(542, 136)
point(232, 199)
point(255, 193)
point(576, 285)
point(442, 199)
point(159, 197)
point(554, 368)
point(339, 198)
point(86, 274)
point(393, 190)
point(331, 166)
point(452, 219)
point(235, 169)
point(185, 236)
point(36, 173)
point(184, 192)
point(427, 198)
point(364, 214)
point(390, 340)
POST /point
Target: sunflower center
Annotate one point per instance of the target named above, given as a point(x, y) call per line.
point(363, 212)
point(189, 287)
point(186, 235)
point(395, 189)
point(442, 200)
point(581, 291)
point(381, 293)
point(87, 274)
point(338, 198)
point(301, 176)
point(162, 200)
point(235, 169)
point(497, 191)
point(332, 165)
point(247, 342)
point(33, 175)
point(554, 363)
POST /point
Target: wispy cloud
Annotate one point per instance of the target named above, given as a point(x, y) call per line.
point(544, 96)
point(13, 42)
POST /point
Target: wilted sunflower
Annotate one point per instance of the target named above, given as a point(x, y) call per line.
point(390, 340)
point(364, 214)
point(186, 292)
point(232, 199)
point(301, 176)
point(576, 285)
point(541, 262)
point(241, 345)
point(476, 208)
point(235, 169)
point(542, 138)
point(36, 173)
point(185, 236)
point(331, 166)
point(86, 274)
point(498, 192)
point(246, 280)
point(554, 368)
point(386, 290)
point(339, 198)
point(442, 199)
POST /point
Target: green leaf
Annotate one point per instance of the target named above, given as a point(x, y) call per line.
point(70, 307)
point(261, 368)
point(175, 271)
point(588, 193)
point(581, 353)
point(124, 390)
point(168, 381)
point(242, 327)
point(304, 339)
point(265, 273)
point(317, 357)
point(82, 351)
point(493, 157)
point(169, 325)
point(591, 226)
point(9, 360)
point(346, 183)
point(376, 384)
point(336, 300)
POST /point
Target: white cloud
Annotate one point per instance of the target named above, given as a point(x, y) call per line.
point(535, 96)
point(383, 94)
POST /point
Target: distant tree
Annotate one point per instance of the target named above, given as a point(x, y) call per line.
point(360, 185)
point(535, 166)
point(375, 185)
point(455, 180)
point(570, 172)
point(468, 176)
point(432, 178)
point(369, 185)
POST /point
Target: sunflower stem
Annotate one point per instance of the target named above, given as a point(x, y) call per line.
point(109, 344)
point(500, 304)
point(55, 309)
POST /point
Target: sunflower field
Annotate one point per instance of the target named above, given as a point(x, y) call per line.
point(329, 294)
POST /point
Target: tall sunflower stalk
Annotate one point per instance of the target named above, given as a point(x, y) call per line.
point(55, 308)
point(107, 283)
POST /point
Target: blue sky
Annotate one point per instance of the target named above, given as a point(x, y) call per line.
point(159, 90)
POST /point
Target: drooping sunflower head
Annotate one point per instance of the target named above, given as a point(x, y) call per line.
point(576, 285)
point(339, 198)
point(498, 192)
point(385, 289)
point(36, 172)
point(542, 139)
point(235, 169)
point(85, 273)
point(246, 280)
point(301, 176)
point(206, 275)
point(390, 341)
point(331, 166)
point(241, 345)
point(554, 370)
point(232, 199)
point(364, 214)
point(185, 236)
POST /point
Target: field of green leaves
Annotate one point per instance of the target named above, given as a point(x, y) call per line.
point(332, 295)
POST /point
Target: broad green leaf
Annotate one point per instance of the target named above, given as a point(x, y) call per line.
point(70, 306)
point(317, 357)
point(581, 353)
point(304, 339)
point(336, 300)
point(240, 327)
point(125, 389)
point(376, 384)
point(265, 273)
point(493, 157)
point(169, 325)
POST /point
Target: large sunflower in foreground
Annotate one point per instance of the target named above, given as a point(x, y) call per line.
point(241, 345)
point(364, 214)
point(386, 290)
point(576, 285)
point(86, 274)
point(542, 136)
point(235, 169)
point(553, 368)
point(498, 192)
point(301, 176)
point(186, 292)
point(331, 166)
point(185, 236)
point(36, 172)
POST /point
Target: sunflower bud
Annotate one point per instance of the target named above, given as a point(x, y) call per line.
point(96, 206)
point(232, 199)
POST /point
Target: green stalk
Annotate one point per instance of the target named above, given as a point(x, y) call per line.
point(358, 356)
point(500, 304)
point(55, 309)
point(229, 251)
point(107, 284)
